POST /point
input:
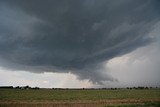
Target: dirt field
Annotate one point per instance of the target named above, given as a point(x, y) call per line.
point(79, 98)
point(103, 103)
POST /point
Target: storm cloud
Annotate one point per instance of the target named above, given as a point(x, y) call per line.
point(75, 36)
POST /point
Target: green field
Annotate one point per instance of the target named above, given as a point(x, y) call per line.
point(64, 97)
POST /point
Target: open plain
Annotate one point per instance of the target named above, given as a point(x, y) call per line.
point(79, 97)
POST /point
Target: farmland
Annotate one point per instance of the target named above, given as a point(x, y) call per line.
point(79, 98)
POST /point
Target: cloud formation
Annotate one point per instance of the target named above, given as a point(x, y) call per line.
point(73, 36)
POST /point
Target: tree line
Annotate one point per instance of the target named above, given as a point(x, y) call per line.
point(28, 87)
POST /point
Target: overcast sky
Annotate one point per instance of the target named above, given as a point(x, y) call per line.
point(80, 43)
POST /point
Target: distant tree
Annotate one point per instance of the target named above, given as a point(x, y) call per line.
point(6, 86)
point(25, 87)
point(36, 88)
point(128, 88)
point(146, 88)
point(134, 87)
point(17, 87)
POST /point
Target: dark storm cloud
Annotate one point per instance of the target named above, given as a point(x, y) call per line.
point(73, 35)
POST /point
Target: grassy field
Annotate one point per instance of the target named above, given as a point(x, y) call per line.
point(78, 98)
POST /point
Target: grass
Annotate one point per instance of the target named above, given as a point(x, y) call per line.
point(78, 98)
point(60, 95)
point(137, 105)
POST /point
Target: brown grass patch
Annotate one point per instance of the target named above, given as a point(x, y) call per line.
point(88, 103)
